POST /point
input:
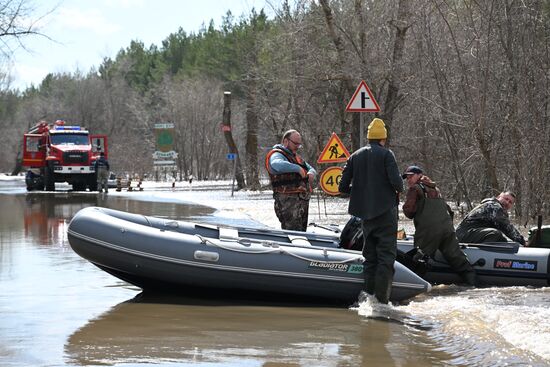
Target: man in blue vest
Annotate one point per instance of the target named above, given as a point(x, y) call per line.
point(372, 179)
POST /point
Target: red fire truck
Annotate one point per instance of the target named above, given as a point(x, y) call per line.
point(61, 153)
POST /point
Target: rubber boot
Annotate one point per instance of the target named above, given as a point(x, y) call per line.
point(469, 277)
point(368, 287)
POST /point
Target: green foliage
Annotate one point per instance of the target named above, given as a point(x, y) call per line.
point(143, 68)
point(222, 54)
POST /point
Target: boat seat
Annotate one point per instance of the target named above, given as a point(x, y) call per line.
point(228, 234)
point(299, 240)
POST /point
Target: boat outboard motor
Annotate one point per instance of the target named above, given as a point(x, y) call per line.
point(352, 239)
point(352, 235)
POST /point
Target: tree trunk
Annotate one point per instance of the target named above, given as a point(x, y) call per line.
point(226, 125)
point(251, 136)
point(347, 79)
point(392, 98)
point(18, 162)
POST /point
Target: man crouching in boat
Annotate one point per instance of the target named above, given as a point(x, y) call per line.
point(489, 222)
point(433, 222)
point(292, 181)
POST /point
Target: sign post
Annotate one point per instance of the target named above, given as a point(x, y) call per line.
point(233, 157)
point(362, 101)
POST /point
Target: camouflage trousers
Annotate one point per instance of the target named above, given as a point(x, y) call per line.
point(102, 176)
point(292, 210)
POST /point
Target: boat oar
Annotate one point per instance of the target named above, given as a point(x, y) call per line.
point(328, 228)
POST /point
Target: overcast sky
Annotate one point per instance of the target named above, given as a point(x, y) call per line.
point(84, 32)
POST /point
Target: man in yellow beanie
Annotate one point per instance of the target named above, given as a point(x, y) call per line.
point(372, 179)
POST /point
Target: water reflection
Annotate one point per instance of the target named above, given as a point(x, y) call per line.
point(148, 330)
point(44, 216)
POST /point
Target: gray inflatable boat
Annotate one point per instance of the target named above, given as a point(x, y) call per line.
point(163, 255)
point(496, 264)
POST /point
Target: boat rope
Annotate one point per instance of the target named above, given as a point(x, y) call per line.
point(278, 249)
point(207, 241)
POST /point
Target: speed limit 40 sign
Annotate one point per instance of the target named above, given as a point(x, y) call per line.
point(330, 179)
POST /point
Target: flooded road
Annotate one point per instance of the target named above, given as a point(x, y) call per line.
point(57, 309)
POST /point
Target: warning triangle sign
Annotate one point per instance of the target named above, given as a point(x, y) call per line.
point(362, 100)
point(334, 151)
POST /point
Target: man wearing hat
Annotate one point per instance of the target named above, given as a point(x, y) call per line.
point(372, 179)
point(433, 222)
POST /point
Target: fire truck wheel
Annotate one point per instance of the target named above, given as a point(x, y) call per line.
point(49, 179)
point(92, 183)
point(79, 186)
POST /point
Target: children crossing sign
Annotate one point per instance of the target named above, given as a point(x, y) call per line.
point(330, 179)
point(334, 151)
point(362, 100)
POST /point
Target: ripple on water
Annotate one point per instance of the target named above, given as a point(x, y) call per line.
point(487, 326)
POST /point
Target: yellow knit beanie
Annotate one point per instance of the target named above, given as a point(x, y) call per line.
point(377, 129)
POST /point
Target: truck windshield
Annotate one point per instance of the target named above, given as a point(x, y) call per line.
point(70, 139)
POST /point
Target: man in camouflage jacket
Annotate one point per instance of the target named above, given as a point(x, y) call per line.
point(489, 222)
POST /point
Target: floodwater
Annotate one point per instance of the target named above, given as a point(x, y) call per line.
point(56, 309)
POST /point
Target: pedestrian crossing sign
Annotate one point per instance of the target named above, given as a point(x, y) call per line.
point(334, 151)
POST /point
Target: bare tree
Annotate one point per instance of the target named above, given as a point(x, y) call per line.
point(16, 22)
point(393, 97)
point(346, 78)
point(226, 123)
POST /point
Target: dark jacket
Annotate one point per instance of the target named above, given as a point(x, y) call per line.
point(101, 163)
point(372, 179)
point(490, 214)
point(424, 188)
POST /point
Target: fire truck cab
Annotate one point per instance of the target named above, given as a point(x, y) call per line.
point(61, 153)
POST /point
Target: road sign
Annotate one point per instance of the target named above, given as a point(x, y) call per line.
point(362, 100)
point(334, 151)
point(231, 156)
point(330, 179)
